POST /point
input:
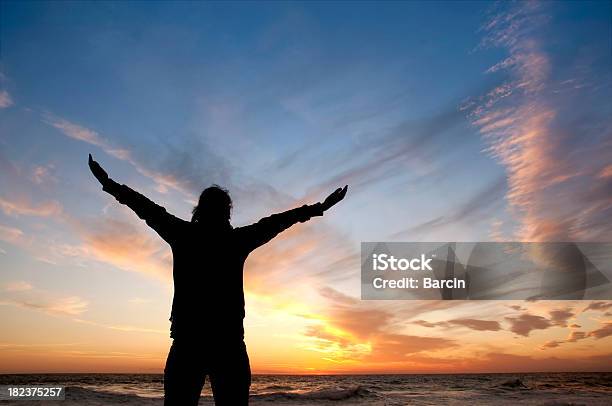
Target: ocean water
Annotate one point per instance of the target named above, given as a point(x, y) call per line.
point(552, 389)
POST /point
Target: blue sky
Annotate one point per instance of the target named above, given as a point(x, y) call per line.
point(251, 84)
point(461, 121)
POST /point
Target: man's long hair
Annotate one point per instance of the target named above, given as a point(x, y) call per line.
point(214, 206)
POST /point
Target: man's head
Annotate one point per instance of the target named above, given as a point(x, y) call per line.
point(214, 206)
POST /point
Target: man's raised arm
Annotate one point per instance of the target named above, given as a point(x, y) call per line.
point(269, 227)
point(156, 216)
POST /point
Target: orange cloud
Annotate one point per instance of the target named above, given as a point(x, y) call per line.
point(26, 208)
point(400, 347)
point(352, 330)
point(551, 344)
point(127, 247)
point(575, 336)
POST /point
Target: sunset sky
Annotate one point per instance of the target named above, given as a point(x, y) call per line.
point(458, 121)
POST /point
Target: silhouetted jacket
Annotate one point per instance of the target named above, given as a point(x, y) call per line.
point(208, 302)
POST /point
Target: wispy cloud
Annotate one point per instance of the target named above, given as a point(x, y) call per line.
point(476, 208)
point(412, 144)
point(556, 190)
point(187, 167)
point(87, 135)
point(473, 324)
point(555, 153)
point(604, 331)
point(5, 99)
point(43, 174)
point(12, 235)
point(26, 296)
point(125, 246)
point(550, 344)
point(598, 306)
point(575, 336)
point(139, 300)
point(121, 327)
point(17, 286)
point(24, 207)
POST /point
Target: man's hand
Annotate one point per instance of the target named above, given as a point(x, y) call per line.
point(334, 198)
point(97, 170)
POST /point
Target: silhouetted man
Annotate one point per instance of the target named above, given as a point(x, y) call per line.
point(208, 304)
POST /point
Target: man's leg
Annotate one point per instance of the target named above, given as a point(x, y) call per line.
point(230, 377)
point(183, 377)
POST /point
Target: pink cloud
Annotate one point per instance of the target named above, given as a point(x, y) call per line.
point(12, 235)
point(5, 99)
point(558, 192)
point(89, 136)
